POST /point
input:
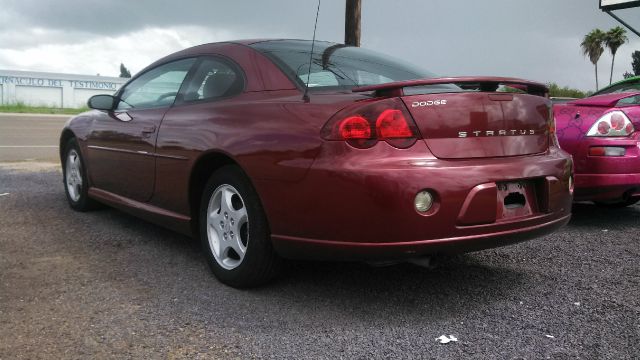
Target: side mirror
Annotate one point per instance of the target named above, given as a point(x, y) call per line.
point(102, 102)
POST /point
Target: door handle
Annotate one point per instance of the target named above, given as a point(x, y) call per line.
point(149, 129)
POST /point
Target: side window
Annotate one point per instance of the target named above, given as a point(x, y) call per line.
point(214, 78)
point(319, 78)
point(157, 87)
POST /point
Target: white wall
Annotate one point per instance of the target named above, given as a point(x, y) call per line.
point(39, 96)
point(53, 89)
point(80, 96)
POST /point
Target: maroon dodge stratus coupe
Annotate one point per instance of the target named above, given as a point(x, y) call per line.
point(266, 152)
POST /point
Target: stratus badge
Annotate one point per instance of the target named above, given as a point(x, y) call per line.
point(478, 133)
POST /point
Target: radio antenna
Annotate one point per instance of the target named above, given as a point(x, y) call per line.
point(305, 97)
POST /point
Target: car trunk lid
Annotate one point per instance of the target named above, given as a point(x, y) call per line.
point(479, 122)
point(574, 119)
point(472, 125)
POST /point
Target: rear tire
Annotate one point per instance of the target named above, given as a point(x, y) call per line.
point(76, 183)
point(234, 231)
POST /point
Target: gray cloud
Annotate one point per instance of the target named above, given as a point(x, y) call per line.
point(116, 17)
point(532, 39)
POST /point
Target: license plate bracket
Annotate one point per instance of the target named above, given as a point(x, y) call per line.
point(515, 199)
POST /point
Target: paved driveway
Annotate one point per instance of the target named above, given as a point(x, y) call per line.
point(30, 136)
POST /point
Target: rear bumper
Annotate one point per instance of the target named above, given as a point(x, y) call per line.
point(312, 249)
point(606, 187)
point(356, 204)
point(607, 178)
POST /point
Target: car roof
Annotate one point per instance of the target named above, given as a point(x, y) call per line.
point(289, 44)
point(628, 80)
point(216, 46)
point(255, 41)
point(631, 79)
point(248, 42)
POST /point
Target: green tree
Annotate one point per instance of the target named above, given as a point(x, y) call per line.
point(592, 47)
point(124, 72)
point(627, 75)
point(557, 91)
point(614, 38)
point(635, 57)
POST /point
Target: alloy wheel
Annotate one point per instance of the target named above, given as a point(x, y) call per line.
point(227, 226)
point(73, 175)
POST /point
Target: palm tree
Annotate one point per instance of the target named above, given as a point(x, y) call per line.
point(614, 38)
point(592, 47)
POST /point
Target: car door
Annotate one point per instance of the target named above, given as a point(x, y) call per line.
point(121, 144)
point(200, 119)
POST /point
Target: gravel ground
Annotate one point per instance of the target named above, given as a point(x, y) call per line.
point(106, 285)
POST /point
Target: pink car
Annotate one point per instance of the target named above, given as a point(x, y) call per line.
point(600, 133)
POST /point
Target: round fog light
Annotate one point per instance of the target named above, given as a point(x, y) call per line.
point(423, 201)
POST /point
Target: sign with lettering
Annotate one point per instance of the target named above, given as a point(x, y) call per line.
point(43, 82)
point(618, 4)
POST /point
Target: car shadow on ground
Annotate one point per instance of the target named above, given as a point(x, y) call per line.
point(450, 286)
point(590, 215)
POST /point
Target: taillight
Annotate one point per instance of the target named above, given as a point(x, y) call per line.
point(607, 151)
point(391, 124)
point(365, 123)
point(355, 127)
point(614, 123)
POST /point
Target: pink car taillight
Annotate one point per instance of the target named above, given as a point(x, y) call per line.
point(614, 123)
point(366, 123)
point(607, 151)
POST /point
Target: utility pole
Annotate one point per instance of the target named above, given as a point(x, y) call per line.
point(352, 23)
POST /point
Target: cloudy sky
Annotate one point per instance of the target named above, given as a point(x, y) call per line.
point(537, 40)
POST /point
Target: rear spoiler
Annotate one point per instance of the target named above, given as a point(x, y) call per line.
point(606, 100)
point(488, 84)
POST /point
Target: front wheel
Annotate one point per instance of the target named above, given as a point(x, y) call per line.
point(234, 231)
point(75, 178)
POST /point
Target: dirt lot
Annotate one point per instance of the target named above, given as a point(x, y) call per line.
point(106, 285)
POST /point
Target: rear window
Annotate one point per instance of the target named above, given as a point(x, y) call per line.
point(336, 65)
